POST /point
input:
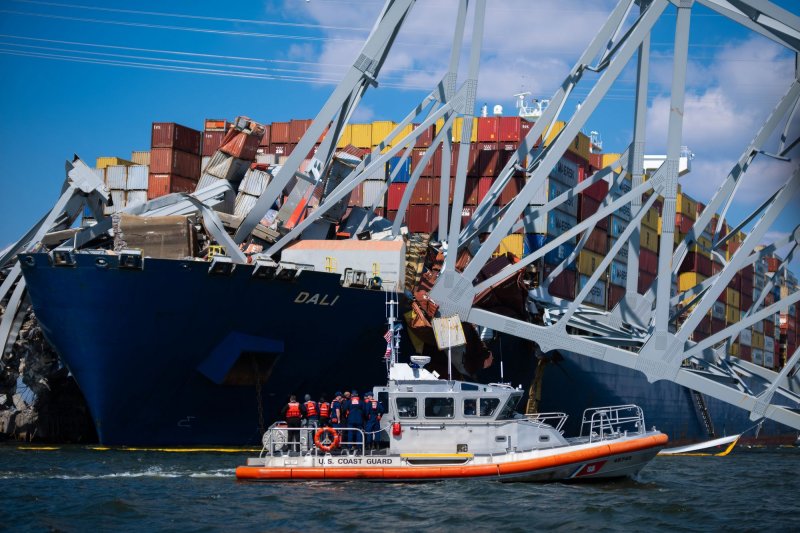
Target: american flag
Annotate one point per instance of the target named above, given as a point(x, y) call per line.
point(388, 351)
point(388, 335)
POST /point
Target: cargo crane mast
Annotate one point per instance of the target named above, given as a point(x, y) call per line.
point(640, 332)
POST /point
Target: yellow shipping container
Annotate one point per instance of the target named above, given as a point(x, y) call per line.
point(732, 314)
point(361, 136)
point(648, 239)
point(686, 206)
point(107, 161)
point(511, 243)
point(458, 124)
point(588, 263)
point(380, 130)
point(733, 298)
point(405, 132)
point(557, 127)
point(439, 125)
point(687, 280)
point(758, 340)
point(608, 159)
point(735, 348)
point(347, 136)
point(581, 146)
point(651, 219)
point(140, 157)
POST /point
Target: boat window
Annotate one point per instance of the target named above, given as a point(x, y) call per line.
point(469, 386)
point(439, 407)
point(471, 407)
point(489, 406)
point(406, 407)
point(508, 409)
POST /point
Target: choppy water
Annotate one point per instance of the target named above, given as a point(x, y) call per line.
point(79, 489)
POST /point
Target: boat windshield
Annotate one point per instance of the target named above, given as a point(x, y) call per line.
point(507, 413)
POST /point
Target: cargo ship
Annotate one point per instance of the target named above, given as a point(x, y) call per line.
point(181, 353)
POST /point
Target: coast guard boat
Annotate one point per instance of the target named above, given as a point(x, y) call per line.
point(440, 429)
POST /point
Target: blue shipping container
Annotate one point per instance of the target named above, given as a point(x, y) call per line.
point(534, 241)
point(404, 174)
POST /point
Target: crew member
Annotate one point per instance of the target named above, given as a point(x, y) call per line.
point(336, 410)
point(293, 414)
point(312, 412)
point(354, 415)
point(373, 409)
point(324, 412)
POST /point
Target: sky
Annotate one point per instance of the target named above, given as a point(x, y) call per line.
point(88, 77)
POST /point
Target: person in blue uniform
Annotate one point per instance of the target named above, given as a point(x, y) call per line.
point(373, 409)
point(354, 417)
point(336, 410)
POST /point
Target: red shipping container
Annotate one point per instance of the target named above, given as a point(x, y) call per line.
point(281, 149)
point(683, 223)
point(694, 262)
point(212, 140)
point(510, 129)
point(648, 261)
point(170, 161)
point(265, 139)
point(596, 161)
point(511, 191)
point(704, 326)
point(563, 286)
point(598, 241)
point(748, 273)
point(422, 218)
point(298, 128)
point(488, 129)
point(745, 352)
point(470, 191)
point(240, 145)
point(484, 184)
point(172, 135)
point(426, 192)
point(772, 264)
point(488, 159)
point(597, 191)
point(466, 215)
point(746, 301)
point(615, 294)
point(700, 208)
point(507, 149)
point(395, 194)
point(588, 207)
point(645, 281)
point(717, 325)
point(736, 282)
point(425, 139)
point(279, 133)
point(434, 166)
point(769, 328)
point(357, 196)
point(473, 167)
point(162, 184)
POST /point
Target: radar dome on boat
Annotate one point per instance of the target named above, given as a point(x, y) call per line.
point(420, 360)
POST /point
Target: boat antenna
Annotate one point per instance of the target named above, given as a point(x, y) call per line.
point(391, 335)
point(500, 345)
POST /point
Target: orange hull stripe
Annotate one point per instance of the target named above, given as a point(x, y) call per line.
point(432, 472)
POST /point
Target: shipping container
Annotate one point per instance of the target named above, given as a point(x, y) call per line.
point(694, 262)
point(357, 196)
point(745, 353)
point(616, 226)
point(140, 157)
point(648, 239)
point(395, 195)
point(511, 129)
point(161, 184)
point(116, 177)
point(758, 356)
point(361, 135)
point(566, 172)
point(137, 178)
point(597, 294)
point(403, 171)
point(215, 124)
point(488, 159)
point(434, 166)
point(135, 198)
point(512, 244)
point(615, 294)
point(265, 139)
point(426, 192)
point(587, 207)
point(457, 127)
point(718, 311)
point(650, 219)
point(746, 337)
point(622, 255)
point(422, 218)
point(683, 223)
point(172, 135)
point(645, 282)
point(425, 139)
point(733, 298)
point(598, 242)
point(688, 280)
point(648, 261)
point(588, 262)
point(345, 139)
point(563, 286)
point(552, 189)
point(212, 140)
point(281, 150)
point(618, 274)
point(374, 193)
point(556, 223)
point(471, 191)
point(511, 191)
point(279, 133)
point(380, 130)
point(107, 161)
point(686, 206)
point(488, 129)
point(170, 161)
point(298, 128)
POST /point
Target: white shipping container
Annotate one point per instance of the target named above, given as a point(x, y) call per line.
point(769, 344)
point(136, 198)
point(718, 310)
point(226, 167)
point(385, 259)
point(244, 203)
point(759, 327)
point(769, 360)
point(204, 163)
point(374, 193)
point(746, 337)
point(758, 356)
point(100, 173)
point(597, 295)
point(551, 189)
point(137, 178)
point(622, 256)
point(117, 177)
point(254, 182)
point(618, 274)
point(566, 172)
point(616, 226)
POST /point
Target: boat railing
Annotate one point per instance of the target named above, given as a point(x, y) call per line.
point(276, 440)
point(601, 423)
point(554, 419)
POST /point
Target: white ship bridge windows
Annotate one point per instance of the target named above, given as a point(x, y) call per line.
point(439, 407)
point(406, 407)
point(488, 406)
point(508, 411)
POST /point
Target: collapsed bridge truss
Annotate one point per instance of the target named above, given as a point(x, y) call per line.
point(641, 332)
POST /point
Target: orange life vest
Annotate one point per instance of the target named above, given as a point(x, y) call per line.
point(311, 409)
point(324, 410)
point(293, 411)
point(355, 400)
point(375, 404)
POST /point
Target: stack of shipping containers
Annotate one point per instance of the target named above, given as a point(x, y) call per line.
point(213, 133)
point(174, 159)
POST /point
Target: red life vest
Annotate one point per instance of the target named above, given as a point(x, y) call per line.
point(293, 411)
point(375, 404)
point(354, 400)
point(324, 409)
point(311, 409)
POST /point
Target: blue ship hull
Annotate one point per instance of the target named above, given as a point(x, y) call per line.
point(168, 355)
